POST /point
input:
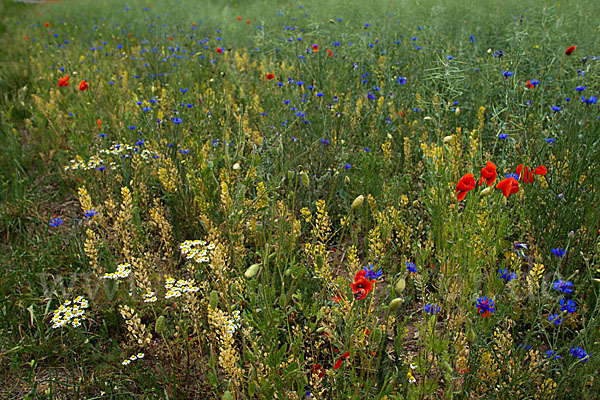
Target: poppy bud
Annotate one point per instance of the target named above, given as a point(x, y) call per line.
point(358, 202)
point(288, 272)
point(305, 180)
point(160, 324)
point(320, 260)
point(448, 139)
point(291, 174)
point(446, 366)
point(400, 285)
point(213, 299)
point(236, 166)
point(571, 235)
point(347, 180)
point(377, 335)
point(252, 271)
point(227, 395)
point(395, 305)
point(457, 112)
point(471, 335)
point(486, 192)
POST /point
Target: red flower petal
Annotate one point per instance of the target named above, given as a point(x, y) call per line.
point(570, 50)
point(541, 170)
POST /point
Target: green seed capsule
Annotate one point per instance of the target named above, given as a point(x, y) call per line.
point(319, 261)
point(377, 335)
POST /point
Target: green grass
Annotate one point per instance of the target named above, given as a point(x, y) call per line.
point(399, 102)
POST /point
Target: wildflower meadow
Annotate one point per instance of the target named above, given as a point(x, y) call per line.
point(300, 199)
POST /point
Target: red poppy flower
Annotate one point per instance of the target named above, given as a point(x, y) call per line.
point(239, 18)
point(47, 24)
point(318, 370)
point(248, 21)
point(529, 85)
point(488, 174)
point(541, 170)
point(526, 175)
point(83, 85)
point(315, 47)
point(570, 50)
point(361, 287)
point(338, 363)
point(99, 123)
point(62, 82)
point(360, 274)
point(270, 76)
point(329, 53)
point(466, 183)
point(508, 186)
point(219, 50)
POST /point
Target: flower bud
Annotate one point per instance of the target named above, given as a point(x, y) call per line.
point(457, 112)
point(305, 179)
point(236, 166)
point(291, 174)
point(160, 324)
point(471, 335)
point(319, 260)
point(571, 234)
point(377, 335)
point(395, 305)
point(400, 285)
point(347, 180)
point(213, 299)
point(227, 395)
point(486, 192)
point(448, 139)
point(358, 202)
point(252, 270)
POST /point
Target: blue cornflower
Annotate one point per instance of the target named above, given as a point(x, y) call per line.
point(402, 80)
point(432, 309)
point(503, 136)
point(508, 276)
point(176, 120)
point(555, 318)
point(568, 305)
point(132, 127)
point(411, 267)
point(580, 88)
point(591, 100)
point(184, 151)
point(513, 175)
point(56, 221)
point(324, 141)
point(559, 252)
point(90, 213)
point(371, 274)
point(520, 246)
point(507, 73)
point(485, 306)
point(563, 286)
point(550, 140)
point(139, 142)
point(347, 166)
point(579, 353)
point(551, 354)
point(556, 108)
point(183, 90)
point(472, 39)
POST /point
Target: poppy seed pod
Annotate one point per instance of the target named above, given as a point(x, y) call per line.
point(358, 202)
